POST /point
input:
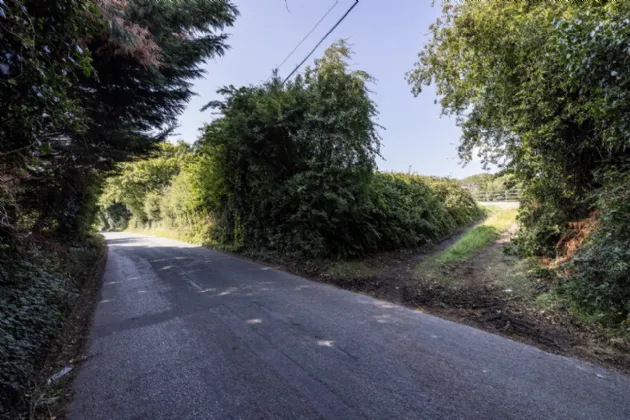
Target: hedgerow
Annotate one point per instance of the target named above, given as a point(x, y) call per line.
point(291, 168)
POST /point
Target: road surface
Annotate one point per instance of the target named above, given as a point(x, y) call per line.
point(183, 332)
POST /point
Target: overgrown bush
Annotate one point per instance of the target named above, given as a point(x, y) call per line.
point(85, 84)
point(411, 210)
point(291, 163)
point(293, 170)
point(541, 89)
point(544, 99)
point(600, 271)
point(32, 301)
point(180, 209)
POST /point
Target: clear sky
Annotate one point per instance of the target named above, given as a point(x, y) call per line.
point(386, 37)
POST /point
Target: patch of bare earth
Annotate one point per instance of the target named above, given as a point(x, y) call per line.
point(473, 296)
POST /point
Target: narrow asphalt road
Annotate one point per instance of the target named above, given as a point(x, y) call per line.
point(183, 332)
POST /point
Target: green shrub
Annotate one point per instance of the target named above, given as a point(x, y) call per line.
point(291, 163)
point(458, 201)
point(292, 169)
point(547, 207)
point(180, 211)
point(152, 206)
point(600, 282)
point(32, 300)
point(409, 211)
point(547, 99)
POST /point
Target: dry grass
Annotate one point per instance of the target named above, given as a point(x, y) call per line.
point(569, 244)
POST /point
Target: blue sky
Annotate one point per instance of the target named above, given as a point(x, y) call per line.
point(386, 37)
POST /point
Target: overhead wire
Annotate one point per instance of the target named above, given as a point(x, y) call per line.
point(309, 34)
point(321, 41)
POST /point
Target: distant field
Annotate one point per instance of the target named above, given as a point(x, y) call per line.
point(500, 204)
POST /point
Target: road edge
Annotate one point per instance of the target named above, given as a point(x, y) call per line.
point(51, 399)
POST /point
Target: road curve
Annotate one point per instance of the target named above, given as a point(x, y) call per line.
point(183, 332)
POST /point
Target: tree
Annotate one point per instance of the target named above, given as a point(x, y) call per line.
point(542, 89)
point(84, 84)
point(291, 163)
point(536, 89)
point(139, 184)
point(290, 168)
point(93, 83)
point(145, 62)
point(478, 182)
point(42, 56)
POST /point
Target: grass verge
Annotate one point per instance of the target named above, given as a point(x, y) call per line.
point(169, 233)
point(479, 237)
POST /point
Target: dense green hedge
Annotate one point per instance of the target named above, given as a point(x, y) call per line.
point(291, 168)
point(398, 211)
point(411, 210)
point(457, 200)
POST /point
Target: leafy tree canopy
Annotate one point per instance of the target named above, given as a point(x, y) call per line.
point(86, 84)
point(145, 176)
point(537, 87)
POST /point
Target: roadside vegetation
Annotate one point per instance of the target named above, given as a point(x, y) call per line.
point(289, 170)
point(286, 173)
point(541, 90)
point(472, 242)
point(84, 85)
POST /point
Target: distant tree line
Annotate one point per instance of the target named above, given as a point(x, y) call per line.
point(494, 186)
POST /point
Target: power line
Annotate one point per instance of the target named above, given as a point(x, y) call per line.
point(322, 40)
point(309, 34)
